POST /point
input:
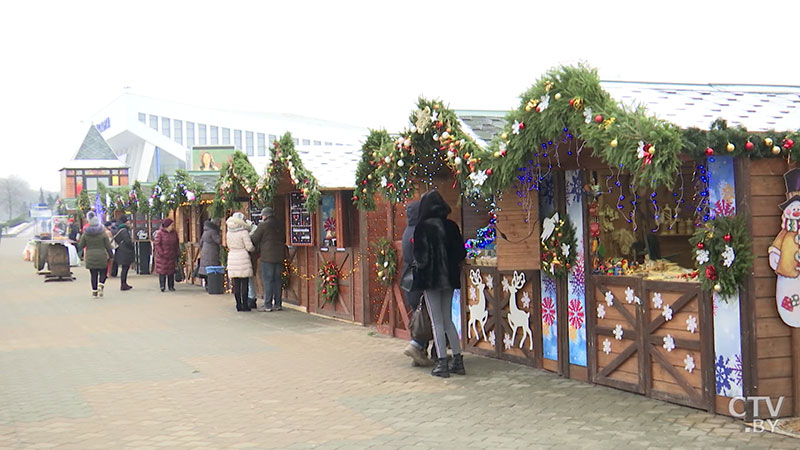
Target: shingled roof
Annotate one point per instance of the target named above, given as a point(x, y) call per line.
point(756, 107)
point(95, 147)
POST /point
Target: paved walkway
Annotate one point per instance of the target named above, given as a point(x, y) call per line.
point(145, 369)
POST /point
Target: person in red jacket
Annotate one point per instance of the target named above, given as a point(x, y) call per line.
point(167, 252)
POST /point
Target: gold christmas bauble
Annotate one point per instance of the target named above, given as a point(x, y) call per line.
point(613, 143)
point(730, 147)
point(369, 177)
point(380, 273)
point(557, 96)
point(364, 190)
point(768, 142)
point(528, 107)
point(504, 136)
point(718, 287)
point(496, 154)
point(776, 150)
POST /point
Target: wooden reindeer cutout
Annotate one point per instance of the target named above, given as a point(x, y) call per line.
point(478, 314)
point(517, 318)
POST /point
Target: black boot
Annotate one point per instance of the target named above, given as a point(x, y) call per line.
point(441, 368)
point(457, 365)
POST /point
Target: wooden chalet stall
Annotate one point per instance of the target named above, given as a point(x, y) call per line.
point(311, 193)
point(190, 216)
point(644, 281)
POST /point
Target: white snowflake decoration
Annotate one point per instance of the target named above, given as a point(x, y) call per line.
point(384, 181)
point(629, 294)
point(478, 177)
point(637, 300)
point(689, 363)
point(702, 257)
point(587, 115)
point(516, 127)
point(728, 256)
point(657, 300)
point(618, 332)
point(691, 324)
point(565, 250)
point(544, 102)
point(472, 292)
point(669, 343)
point(526, 300)
point(489, 282)
point(667, 313)
point(606, 346)
point(435, 116)
point(492, 338)
point(601, 311)
point(609, 298)
point(507, 342)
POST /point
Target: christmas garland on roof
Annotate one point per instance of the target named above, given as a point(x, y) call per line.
point(84, 204)
point(432, 141)
point(284, 157)
point(235, 174)
point(185, 188)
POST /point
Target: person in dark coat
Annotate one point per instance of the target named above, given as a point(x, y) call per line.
point(270, 238)
point(167, 251)
point(73, 230)
point(124, 254)
point(417, 351)
point(210, 243)
point(98, 252)
point(438, 253)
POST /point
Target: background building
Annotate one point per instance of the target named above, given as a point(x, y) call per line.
point(154, 136)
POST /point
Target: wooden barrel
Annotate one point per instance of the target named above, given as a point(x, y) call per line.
point(58, 260)
point(39, 255)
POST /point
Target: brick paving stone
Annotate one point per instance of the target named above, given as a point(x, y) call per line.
point(142, 369)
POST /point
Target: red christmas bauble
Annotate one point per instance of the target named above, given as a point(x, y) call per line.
point(727, 238)
point(572, 102)
point(788, 143)
point(711, 272)
point(488, 171)
point(598, 118)
point(749, 146)
point(700, 245)
point(709, 151)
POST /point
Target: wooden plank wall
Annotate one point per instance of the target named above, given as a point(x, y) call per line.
point(519, 250)
point(773, 337)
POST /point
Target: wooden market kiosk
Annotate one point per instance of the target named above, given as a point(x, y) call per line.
point(654, 326)
point(311, 194)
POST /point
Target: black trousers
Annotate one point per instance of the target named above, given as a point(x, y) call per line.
point(123, 276)
point(240, 291)
point(168, 279)
point(97, 275)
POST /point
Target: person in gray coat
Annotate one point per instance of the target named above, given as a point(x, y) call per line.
point(270, 238)
point(210, 243)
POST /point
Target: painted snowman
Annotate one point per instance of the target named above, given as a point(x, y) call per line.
point(784, 253)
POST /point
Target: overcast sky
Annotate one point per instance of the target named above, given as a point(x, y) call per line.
point(363, 63)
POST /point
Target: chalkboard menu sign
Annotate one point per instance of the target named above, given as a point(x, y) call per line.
point(300, 228)
point(255, 214)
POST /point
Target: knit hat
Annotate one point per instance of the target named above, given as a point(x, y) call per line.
point(266, 212)
point(93, 219)
point(166, 223)
point(238, 215)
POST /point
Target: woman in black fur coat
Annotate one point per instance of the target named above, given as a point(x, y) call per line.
point(439, 252)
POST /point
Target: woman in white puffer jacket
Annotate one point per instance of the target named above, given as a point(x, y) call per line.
point(239, 267)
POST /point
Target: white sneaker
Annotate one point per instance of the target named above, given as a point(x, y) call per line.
point(100, 286)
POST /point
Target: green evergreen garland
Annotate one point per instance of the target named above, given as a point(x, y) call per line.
point(234, 175)
point(284, 157)
point(328, 281)
point(711, 242)
point(364, 194)
point(84, 204)
point(554, 260)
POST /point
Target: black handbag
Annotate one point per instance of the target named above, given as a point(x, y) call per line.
point(421, 330)
point(407, 279)
point(178, 273)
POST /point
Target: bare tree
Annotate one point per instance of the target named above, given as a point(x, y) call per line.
point(13, 193)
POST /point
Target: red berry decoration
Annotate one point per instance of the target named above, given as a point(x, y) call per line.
point(488, 171)
point(749, 146)
point(572, 102)
point(700, 246)
point(727, 238)
point(709, 151)
point(711, 272)
point(788, 143)
point(598, 118)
